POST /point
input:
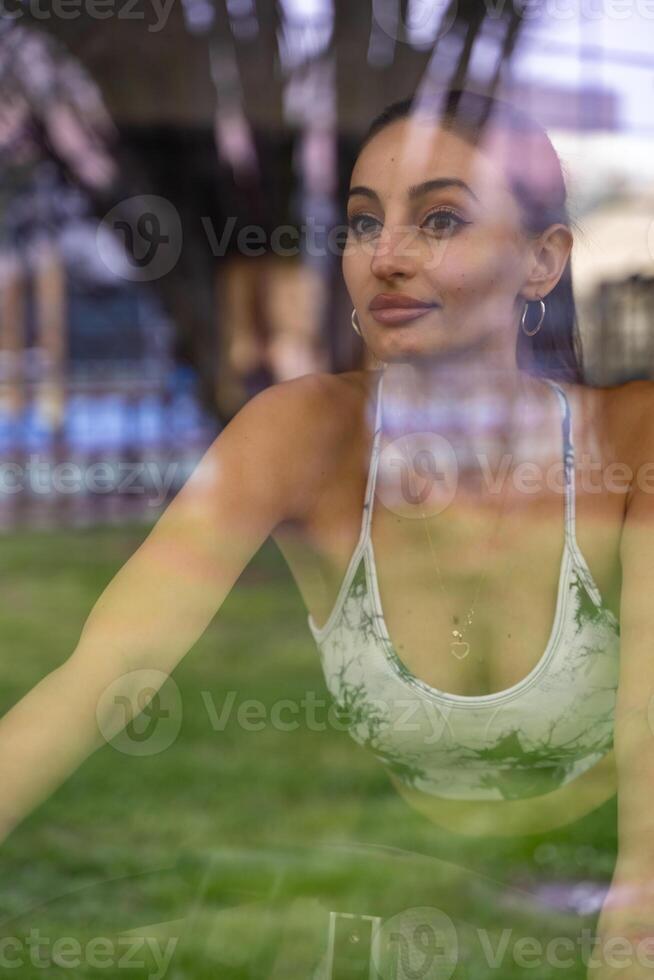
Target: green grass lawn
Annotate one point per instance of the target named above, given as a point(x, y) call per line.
point(233, 846)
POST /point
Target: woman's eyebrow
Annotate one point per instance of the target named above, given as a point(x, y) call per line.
point(417, 190)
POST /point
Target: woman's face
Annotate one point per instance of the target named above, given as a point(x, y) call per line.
point(457, 244)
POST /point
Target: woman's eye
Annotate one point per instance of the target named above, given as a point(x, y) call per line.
point(357, 226)
point(447, 221)
point(444, 221)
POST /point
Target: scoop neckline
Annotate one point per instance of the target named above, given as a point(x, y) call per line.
point(467, 700)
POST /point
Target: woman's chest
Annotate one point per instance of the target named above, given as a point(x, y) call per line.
point(488, 579)
point(476, 610)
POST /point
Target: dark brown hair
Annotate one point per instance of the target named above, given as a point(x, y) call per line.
point(555, 350)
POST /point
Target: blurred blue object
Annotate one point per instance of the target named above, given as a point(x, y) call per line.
point(95, 422)
point(35, 431)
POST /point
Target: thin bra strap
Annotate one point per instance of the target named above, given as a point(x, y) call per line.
point(568, 461)
point(372, 468)
point(570, 508)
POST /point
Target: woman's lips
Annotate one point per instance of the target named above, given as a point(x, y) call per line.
point(400, 314)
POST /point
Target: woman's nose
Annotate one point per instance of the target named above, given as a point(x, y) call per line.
point(396, 251)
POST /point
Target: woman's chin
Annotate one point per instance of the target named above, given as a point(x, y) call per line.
point(406, 349)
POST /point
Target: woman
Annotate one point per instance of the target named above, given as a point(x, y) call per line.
point(476, 648)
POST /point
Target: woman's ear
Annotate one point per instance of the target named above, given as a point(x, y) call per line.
point(549, 255)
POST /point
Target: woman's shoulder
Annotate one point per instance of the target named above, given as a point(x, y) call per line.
point(316, 417)
point(344, 384)
point(291, 441)
point(630, 409)
point(321, 400)
point(633, 413)
point(310, 387)
point(633, 398)
point(623, 414)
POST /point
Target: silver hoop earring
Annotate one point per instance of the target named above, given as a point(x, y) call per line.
point(355, 322)
point(534, 330)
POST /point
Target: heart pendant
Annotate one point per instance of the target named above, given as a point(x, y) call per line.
point(460, 649)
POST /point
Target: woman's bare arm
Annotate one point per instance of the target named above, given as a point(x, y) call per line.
point(629, 905)
point(263, 469)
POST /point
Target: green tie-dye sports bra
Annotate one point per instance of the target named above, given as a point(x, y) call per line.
point(528, 739)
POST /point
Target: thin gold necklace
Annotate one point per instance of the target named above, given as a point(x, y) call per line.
point(459, 647)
